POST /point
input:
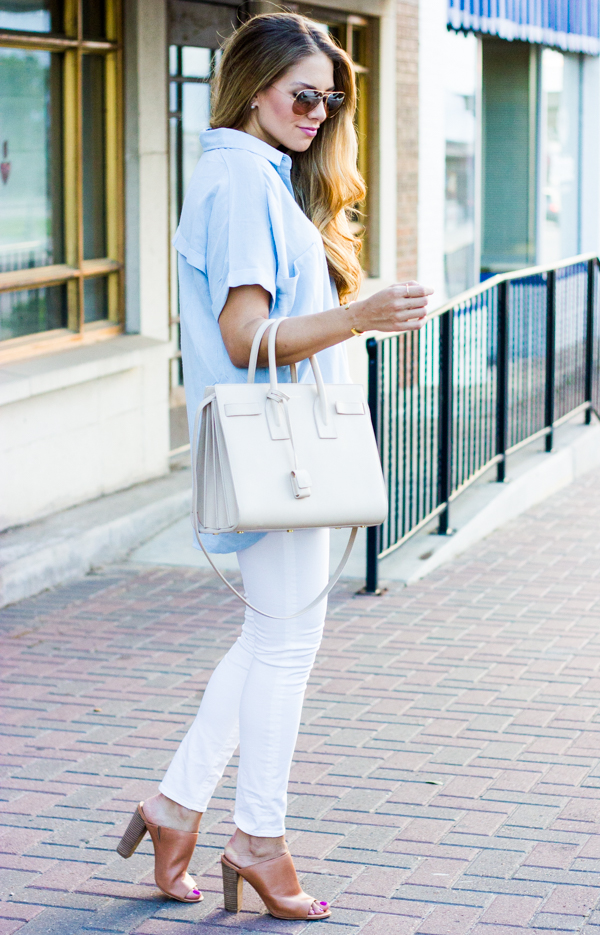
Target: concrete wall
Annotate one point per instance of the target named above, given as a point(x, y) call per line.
point(94, 419)
point(92, 422)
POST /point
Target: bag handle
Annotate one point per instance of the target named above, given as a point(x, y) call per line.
point(273, 324)
point(258, 336)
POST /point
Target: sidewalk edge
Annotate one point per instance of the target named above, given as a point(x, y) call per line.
point(71, 557)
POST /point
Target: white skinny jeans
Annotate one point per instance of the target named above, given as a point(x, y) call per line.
point(254, 696)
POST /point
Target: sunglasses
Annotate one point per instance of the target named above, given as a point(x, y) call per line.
point(306, 101)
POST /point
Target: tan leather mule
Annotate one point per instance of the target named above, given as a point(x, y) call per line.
point(173, 851)
point(276, 883)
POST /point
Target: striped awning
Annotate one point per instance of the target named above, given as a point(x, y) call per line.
point(571, 25)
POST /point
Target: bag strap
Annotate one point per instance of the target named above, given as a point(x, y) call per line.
point(258, 336)
point(329, 587)
point(194, 517)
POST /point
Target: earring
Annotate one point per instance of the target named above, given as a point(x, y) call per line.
point(252, 106)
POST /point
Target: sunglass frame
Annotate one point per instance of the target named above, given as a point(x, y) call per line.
point(301, 110)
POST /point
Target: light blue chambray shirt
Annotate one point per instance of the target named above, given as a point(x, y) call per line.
point(241, 225)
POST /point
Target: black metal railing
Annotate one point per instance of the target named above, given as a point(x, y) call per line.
point(496, 368)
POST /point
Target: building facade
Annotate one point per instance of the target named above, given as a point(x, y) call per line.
point(479, 140)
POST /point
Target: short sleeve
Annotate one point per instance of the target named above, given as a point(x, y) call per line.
point(227, 234)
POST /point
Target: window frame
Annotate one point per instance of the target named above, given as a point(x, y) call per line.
point(75, 270)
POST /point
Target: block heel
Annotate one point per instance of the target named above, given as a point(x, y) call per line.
point(276, 883)
point(136, 829)
point(233, 888)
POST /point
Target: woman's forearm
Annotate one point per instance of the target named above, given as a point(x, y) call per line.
point(398, 308)
point(302, 336)
point(297, 338)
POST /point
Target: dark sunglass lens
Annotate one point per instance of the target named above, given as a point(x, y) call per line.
point(334, 102)
point(305, 101)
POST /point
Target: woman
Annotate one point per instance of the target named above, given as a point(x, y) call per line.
point(264, 232)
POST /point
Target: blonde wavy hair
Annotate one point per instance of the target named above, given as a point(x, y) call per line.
point(326, 180)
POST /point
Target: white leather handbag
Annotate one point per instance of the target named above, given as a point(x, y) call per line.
point(268, 457)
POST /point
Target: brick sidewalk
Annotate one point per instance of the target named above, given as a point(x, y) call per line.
point(446, 780)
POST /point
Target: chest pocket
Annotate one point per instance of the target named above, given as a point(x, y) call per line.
point(306, 272)
point(286, 292)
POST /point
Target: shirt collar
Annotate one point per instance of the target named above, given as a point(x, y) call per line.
point(226, 138)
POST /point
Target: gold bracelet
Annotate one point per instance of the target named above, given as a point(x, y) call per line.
point(354, 331)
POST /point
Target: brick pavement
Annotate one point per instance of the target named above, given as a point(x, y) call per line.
point(446, 779)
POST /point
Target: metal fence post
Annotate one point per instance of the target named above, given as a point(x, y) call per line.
point(445, 422)
point(550, 353)
point(502, 381)
point(373, 532)
point(589, 339)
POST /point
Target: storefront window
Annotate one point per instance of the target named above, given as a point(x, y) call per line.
point(560, 156)
point(93, 19)
point(191, 72)
point(60, 189)
point(461, 75)
point(31, 232)
point(95, 299)
point(31, 311)
point(94, 162)
point(30, 146)
point(31, 15)
point(509, 148)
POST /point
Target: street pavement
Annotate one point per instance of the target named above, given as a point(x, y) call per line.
point(446, 779)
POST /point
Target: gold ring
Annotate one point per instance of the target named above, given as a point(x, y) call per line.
point(407, 291)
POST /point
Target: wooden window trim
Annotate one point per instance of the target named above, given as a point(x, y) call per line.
point(75, 270)
point(56, 341)
point(30, 40)
point(40, 276)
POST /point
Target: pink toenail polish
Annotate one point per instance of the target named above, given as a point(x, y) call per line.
point(323, 904)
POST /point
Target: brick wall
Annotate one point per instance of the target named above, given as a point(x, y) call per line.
point(407, 90)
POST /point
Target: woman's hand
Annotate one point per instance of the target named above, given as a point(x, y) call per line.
point(401, 307)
